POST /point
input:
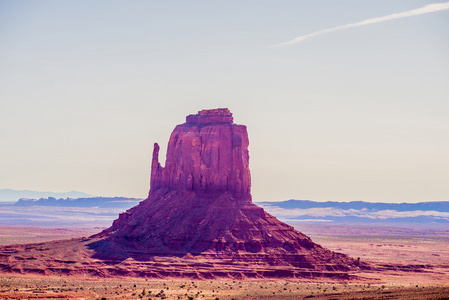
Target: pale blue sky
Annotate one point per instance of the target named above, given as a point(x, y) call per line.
point(87, 87)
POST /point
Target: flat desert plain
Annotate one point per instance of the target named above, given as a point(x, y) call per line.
point(410, 264)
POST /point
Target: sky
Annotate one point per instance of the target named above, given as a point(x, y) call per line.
point(344, 100)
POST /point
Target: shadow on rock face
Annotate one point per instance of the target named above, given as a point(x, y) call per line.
point(200, 206)
point(198, 221)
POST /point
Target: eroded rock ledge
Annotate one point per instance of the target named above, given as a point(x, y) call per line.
point(208, 153)
point(198, 221)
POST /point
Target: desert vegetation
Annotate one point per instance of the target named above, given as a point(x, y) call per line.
point(50, 287)
point(429, 282)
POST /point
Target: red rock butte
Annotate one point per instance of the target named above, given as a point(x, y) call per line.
point(198, 220)
point(207, 154)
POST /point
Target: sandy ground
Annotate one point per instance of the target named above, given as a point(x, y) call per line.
point(391, 245)
point(10, 235)
point(378, 247)
point(49, 287)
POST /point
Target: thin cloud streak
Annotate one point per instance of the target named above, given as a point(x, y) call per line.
point(435, 7)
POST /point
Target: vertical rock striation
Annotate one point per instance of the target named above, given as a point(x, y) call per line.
point(200, 204)
point(206, 154)
point(198, 222)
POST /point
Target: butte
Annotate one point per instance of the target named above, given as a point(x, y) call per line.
point(198, 221)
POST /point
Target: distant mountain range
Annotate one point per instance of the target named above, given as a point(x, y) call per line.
point(100, 202)
point(101, 211)
point(358, 211)
point(65, 212)
point(10, 195)
point(442, 206)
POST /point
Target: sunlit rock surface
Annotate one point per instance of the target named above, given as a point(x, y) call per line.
point(198, 221)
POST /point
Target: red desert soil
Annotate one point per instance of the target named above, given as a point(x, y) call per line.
point(432, 283)
point(10, 235)
point(55, 287)
point(406, 258)
point(426, 256)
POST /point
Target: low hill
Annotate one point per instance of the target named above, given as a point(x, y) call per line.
point(10, 195)
point(100, 202)
point(359, 212)
point(442, 206)
point(68, 212)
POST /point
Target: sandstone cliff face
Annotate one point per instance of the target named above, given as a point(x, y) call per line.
point(198, 221)
point(208, 153)
point(200, 204)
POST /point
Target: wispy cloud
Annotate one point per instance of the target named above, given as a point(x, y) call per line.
point(410, 13)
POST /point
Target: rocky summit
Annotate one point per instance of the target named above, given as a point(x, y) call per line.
point(199, 220)
point(199, 205)
point(206, 154)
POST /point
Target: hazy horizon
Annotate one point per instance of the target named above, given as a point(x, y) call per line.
point(342, 101)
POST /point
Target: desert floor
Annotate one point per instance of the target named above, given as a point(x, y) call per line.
point(382, 246)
